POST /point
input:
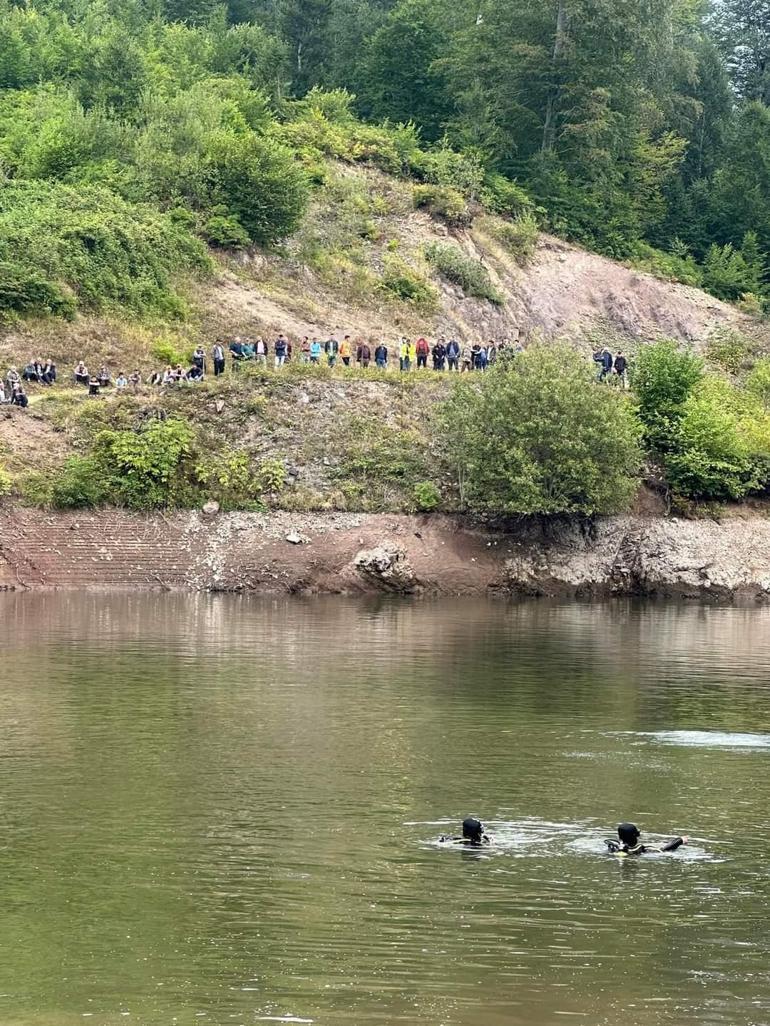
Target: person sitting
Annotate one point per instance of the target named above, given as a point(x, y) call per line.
point(195, 373)
point(33, 371)
point(135, 380)
point(121, 382)
point(629, 842)
point(93, 385)
point(82, 377)
point(49, 372)
point(104, 377)
point(180, 374)
point(473, 834)
point(249, 350)
point(19, 396)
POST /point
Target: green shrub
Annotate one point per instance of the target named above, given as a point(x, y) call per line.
point(730, 350)
point(86, 247)
point(663, 379)
point(24, 290)
point(502, 196)
point(427, 497)
point(258, 181)
point(6, 482)
point(377, 452)
point(403, 282)
point(727, 274)
point(167, 352)
point(541, 436)
point(225, 231)
point(442, 202)
point(722, 444)
point(758, 382)
point(271, 476)
point(445, 167)
point(519, 237)
point(80, 484)
point(459, 269)
point(678, 266)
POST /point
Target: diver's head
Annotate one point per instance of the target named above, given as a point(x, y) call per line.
point(629, 834)
point(473, 830)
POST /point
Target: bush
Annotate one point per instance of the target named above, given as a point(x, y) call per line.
point(166, 352)
point(722, 444)
point(675, 266)
point(471, 275)
point(65, 248)
point(225, 231)
point(442, 202)
point(427, 497)
point(6, 484)
point(663, 379)
point(403, 282)
point(541, 436)
point(163, 465)
point(459, 171)
point(758, 382)
point(519, 237)
point(727, 274)
point(730, 350)
point(502, 196)
point(258, 182)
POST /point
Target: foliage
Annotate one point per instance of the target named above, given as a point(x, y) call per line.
point(459, 269)
point(722, 444)
point(443, 202)
point(663, 379)
point(427, 497)
point(541, 436)
point(677, 265)
point(162, 465)
point(271, 476)
point(63, 248)
point(730, 350)
point(6, 484)
point(407, 284)
point(519, 237)
point(758, 382)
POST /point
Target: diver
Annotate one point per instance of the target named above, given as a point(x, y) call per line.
point(473, 834)
point(629, 843)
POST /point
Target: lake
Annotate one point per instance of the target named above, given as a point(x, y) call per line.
point(226, 809)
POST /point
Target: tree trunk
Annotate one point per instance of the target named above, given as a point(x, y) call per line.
point(552, 104)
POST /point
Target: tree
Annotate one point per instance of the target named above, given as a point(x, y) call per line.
point(664, 377)
point(742, 28)
point(540, 435)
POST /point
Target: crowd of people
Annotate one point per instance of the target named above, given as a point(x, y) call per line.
point(444, 355)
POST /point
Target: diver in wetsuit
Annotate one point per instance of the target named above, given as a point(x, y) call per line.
point(473, 834)
point(629, 843)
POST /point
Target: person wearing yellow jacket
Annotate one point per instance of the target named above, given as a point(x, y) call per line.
point(345, 350)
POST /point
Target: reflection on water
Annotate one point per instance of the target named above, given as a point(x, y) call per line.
point(224, 810)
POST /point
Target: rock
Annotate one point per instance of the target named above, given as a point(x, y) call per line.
point(210, 509)
point(293, 538)
point(387, 567)
point(304, 398)
point(219, 405)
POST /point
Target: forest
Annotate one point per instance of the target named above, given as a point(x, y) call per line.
point(134, 133)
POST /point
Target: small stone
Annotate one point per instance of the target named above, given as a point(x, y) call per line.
point(304, 398)
point(219, 405)
point(211, 508)
point(293, 538)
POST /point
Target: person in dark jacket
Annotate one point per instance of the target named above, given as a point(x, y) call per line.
point(381, 356)
point(363, 355)
point(629, 842)
point(621, 369)
point(218, 355)
point(607, 363)
point(453, 354)
point(439, 356)
point(473, 834)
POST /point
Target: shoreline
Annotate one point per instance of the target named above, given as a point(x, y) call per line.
point(369, 554)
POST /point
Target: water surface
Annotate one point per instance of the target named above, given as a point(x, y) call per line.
point(225, 810)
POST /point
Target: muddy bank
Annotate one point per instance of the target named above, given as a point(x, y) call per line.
point(352, 553)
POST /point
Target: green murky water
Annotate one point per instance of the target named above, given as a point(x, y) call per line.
point(224, 810)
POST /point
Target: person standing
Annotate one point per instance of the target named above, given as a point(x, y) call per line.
point(315, 351)
point(607, 364)
point(621, 369)
point(218, 356)
point(422, 349)
point(281, 350)
point(305, 350)
point(466, 359)
point(345, 350)
point(363, 355)
point(453, 355)
point(381, 356)
point(331, 348)
point(439, 356)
